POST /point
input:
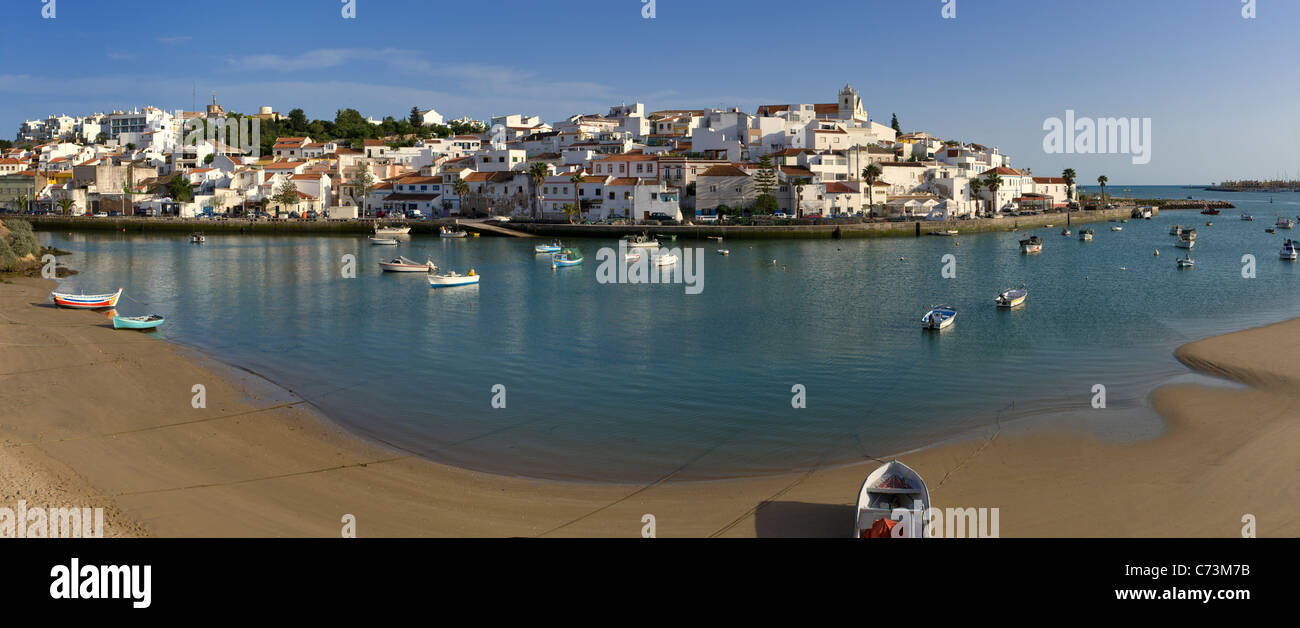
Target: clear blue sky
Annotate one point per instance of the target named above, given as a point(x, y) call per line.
point(1221, 90)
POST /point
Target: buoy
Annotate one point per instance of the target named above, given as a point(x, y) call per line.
point(1157, 252)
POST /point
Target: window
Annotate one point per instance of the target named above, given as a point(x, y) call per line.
point(713, 188)
point(611, 196)
point(654, 196)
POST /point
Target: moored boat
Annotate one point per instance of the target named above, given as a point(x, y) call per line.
point(137, 322)
point(1176, 230)
point(664, 259)
point(1209, 211)
point(553, 247)
point(944, 232)
point(392, 230)
point(1085, 235)
point(403, 265)
point(724, 252)
point(451, 233)
point(1186, 262)
point(1032, 244)
point(1065, 232)
point(1285, 223)
point(1012, 297)
point(889, 488)
point(86, 301)
point(642, 242)
point(1187, 239)
point(939, 317)
point(1288, 250)
point(1248, 217)
point(383, 241)
point(453, 279)
point(197, 238)
point(566, 257)
point(1117, 228)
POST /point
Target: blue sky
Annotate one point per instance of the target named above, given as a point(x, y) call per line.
point(1220, 89)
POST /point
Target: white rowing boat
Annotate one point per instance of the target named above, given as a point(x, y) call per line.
point(403, 265)
point(383, 241)
point(453, 279)
point(891, 488)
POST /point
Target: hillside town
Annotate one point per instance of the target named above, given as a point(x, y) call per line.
point(795, 161)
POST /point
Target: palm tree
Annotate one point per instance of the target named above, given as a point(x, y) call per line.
point(462, 190)
point(992, 181)
point(577, 179)
point(66, 204)
point(1069, 176)
point(870, 175)
point(798, 184)
point(1102, 182)
point(975, 186)
point(22, 203)
point(538, 172)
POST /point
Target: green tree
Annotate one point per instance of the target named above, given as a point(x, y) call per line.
point(22, 201)
point(992, 181)
point(797, 183)
point(286, 194)
point(461, 188)
point(766, 204)
point(894, 124)
point(297, 121)
point(365, 183)
point(416, 120)
point(538, 172)
point(66, 205)
point(765, 178)
point(870, 175)
point(1069, 176)
point(180, 190)
point(1102, 182)
point(976, 186)
point(577, 179)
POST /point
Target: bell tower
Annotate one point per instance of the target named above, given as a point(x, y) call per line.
point(851, 104)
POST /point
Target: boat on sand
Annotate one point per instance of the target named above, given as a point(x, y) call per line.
point(891, 487)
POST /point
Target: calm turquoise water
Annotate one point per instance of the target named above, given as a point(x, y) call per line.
point(633, 382)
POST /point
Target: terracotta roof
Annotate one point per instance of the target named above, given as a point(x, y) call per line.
point(1049, 180)
point(1003, 170)
point(623, 181)
point(286, 165)
point(723, 171)
point(835, 187)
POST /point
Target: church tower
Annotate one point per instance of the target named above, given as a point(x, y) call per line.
point(851, 104)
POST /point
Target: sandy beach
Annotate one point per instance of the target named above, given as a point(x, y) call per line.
point(91, 416)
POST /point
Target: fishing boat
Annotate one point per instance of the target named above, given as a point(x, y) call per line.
point(724, 252)
point(1176, 230)
point(403, 265)
point(137, 322)
point(1270, 230)
point(453, 279)
point(1288, 250)
point(1117, 228)
point(1065, 232)
point(86, 301)
point(1186, 262)
point(891, 487)
point(1085, 235)
point(383, 241)
point(939, 317)
point(392, 230)
point(1186, 240)
point(642, 242)
point(553, 247)
point(1012, 297)
point(664, 259)
point(197, 238)
point(451, 233)
point(566, 257)
point(1285, 223)
point(944, 232)
point(1248, 217)
point(1032, 244)
point(1208, 211)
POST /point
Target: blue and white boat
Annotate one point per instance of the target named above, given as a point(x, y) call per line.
point(138, 322)
point(939, 317)
point(566, 257)
point(453, 279)
point(553, 247)
point(1289, 250)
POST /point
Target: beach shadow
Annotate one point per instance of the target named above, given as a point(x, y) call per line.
point(803, 520)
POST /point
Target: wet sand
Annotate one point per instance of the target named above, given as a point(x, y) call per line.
point(106, 417)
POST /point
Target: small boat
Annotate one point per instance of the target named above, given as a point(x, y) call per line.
point(1013, 297)
point(137, 322)
point(642, 242)
point(1186, 262)
point(566, 257)
point(392, 231)
point(1085, 235)
point(1288, 250)
point(383, 241)
point(944, 232)
point(1176, 230)
point(553, 247)
point(891, 487)
point(1245, 216)
point(453, 279)
point(1187, 240)
point(403, 265)
point(1209, 224)
point(1270, 230)
point(86, 301)
point(1065, 232)
point(1032, 244)
point(197, 238)
point(724, 252)
point(939, 317)
point(1117, 228)
point(664, 259)
point(1285, 223)
point(632, 257)
point(1210, 212)
point(451, 233)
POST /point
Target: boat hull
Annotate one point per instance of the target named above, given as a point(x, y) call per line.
point(86, 301)
point(390, 267)
point(137, 322)
point(444, 281)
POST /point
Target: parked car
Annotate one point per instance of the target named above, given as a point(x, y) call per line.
point(782, 215)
